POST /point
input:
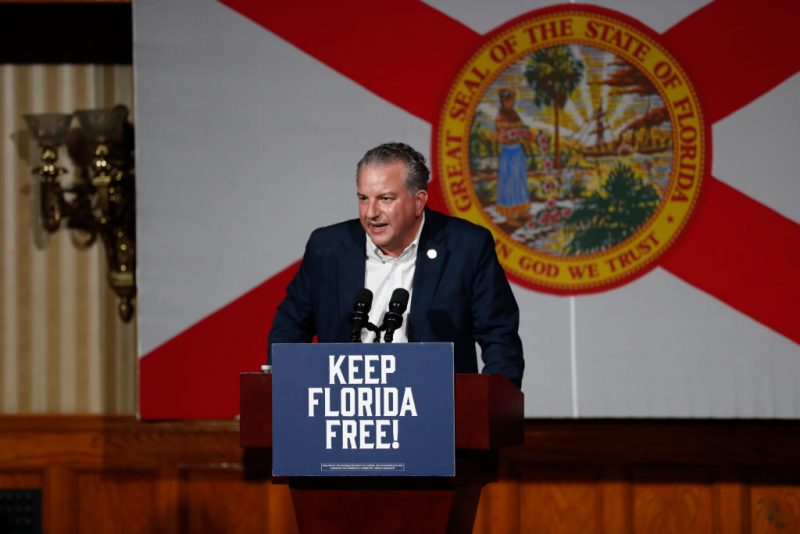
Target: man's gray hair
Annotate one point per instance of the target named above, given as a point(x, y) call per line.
point(418, 173)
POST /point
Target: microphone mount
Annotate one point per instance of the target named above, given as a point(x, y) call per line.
point(359, 318)
point(393, 319)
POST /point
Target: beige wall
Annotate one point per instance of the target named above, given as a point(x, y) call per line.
point(62, 347)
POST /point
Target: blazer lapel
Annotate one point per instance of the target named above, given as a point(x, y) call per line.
point(351, 267)
point(432, 257)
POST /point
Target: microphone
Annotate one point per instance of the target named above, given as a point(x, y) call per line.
point(394, 317)
point(360, 316)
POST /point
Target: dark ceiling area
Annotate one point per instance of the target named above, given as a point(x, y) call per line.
point(92, 32)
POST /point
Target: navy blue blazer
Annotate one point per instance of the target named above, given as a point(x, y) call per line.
point(462, 295)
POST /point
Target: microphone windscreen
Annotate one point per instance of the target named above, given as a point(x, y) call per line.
point(363, 298)
point(399, 301)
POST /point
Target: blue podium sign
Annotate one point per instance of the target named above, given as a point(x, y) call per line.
point(353, 409)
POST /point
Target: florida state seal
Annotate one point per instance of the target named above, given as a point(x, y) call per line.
point(577, 138)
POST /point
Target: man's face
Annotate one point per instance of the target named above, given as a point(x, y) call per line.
point(389, 213)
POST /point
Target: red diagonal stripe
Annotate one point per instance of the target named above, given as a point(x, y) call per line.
point(403, 51)
point(195, 375)
point(737, 50)
point(745, 254)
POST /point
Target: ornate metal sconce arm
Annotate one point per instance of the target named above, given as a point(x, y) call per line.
point(101, 199)
point(51, 195)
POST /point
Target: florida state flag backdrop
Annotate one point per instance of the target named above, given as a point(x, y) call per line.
point(634, 160)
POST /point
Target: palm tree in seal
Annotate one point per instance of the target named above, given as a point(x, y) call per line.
point(553, 74)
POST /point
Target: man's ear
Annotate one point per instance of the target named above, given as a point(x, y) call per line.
point(421, 199)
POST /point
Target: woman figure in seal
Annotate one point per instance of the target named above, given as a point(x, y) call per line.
point(513, 197)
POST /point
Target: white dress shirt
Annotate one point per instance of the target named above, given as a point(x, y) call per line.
point(383, 275)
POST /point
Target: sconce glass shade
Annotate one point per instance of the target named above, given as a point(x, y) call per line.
point(102, 125)
point(49, 129)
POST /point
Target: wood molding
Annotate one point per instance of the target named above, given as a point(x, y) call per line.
point(741, 442)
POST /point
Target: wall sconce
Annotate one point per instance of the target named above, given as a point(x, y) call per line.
point(101, 199)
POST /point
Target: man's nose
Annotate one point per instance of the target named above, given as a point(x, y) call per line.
point(372, 209)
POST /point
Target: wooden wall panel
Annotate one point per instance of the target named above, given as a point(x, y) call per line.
point(498, 512)
point(117, 501)
point(114, 474)
point(561, 495)
point(616, 500)
point(674, 499)
point(732, 502)
point(773, 501)
point(280, 510)
point(221, 500)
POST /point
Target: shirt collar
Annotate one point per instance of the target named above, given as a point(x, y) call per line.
point(375, 253)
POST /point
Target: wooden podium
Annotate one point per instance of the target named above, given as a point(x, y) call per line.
point(489, 415)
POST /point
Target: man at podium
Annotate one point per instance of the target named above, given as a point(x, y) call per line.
point(456, 290)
